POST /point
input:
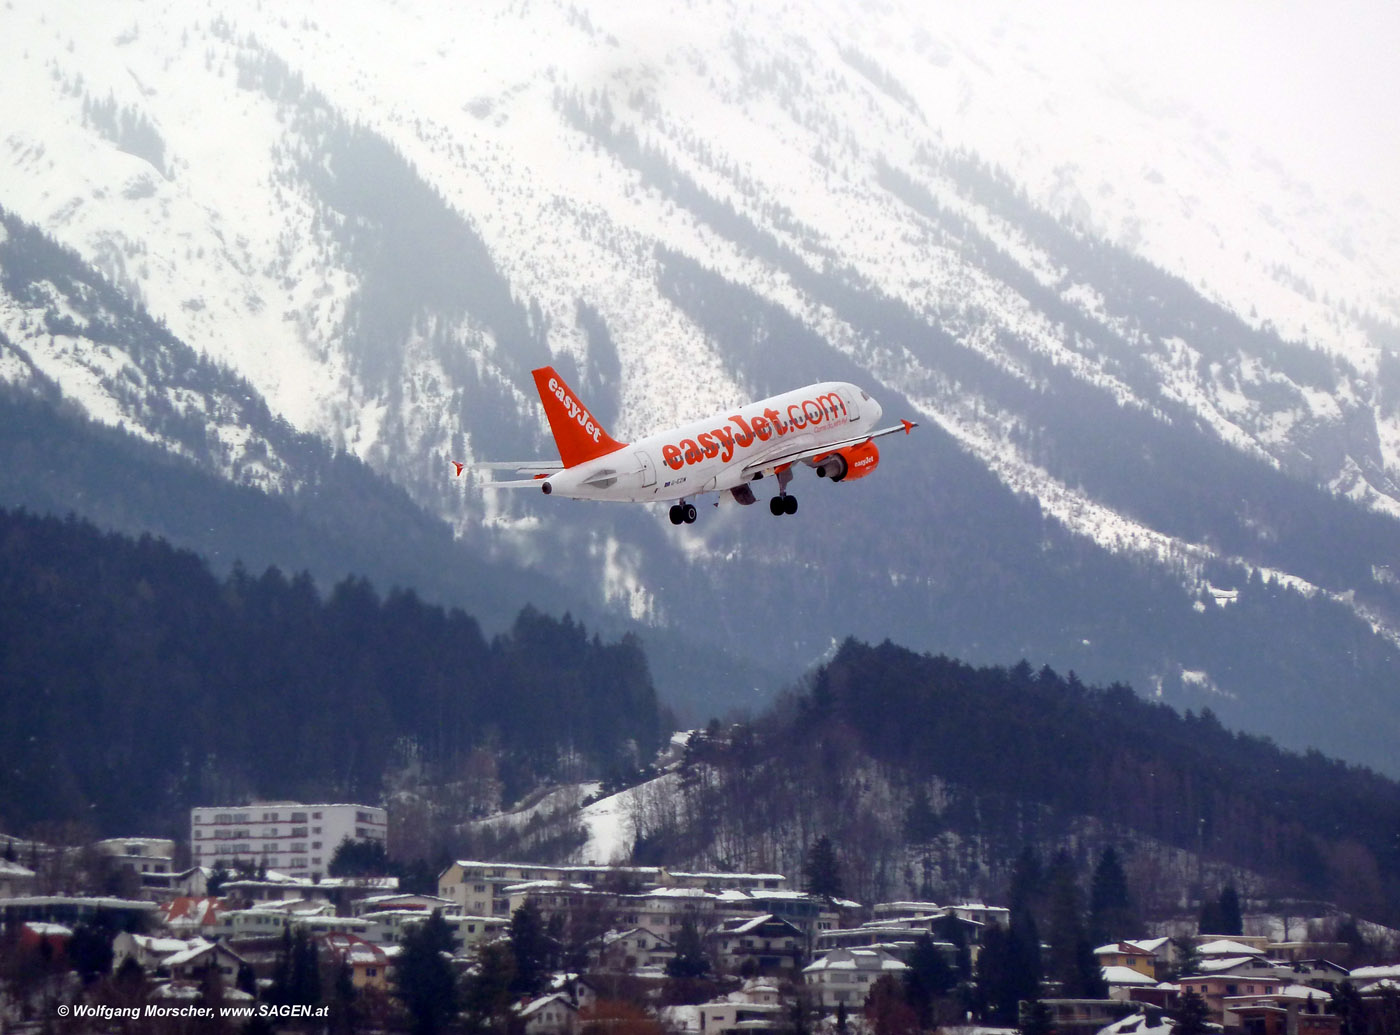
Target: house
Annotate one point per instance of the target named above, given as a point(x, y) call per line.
point(553, 1014)
point(1084, 1016)
point(190, 883)
point(141, 855)
point(1215, 988)
point(193, 963)
point(756, 1009)
point(1163, 951)
point(1290, 1010)
point(759, 945)
point(187, 916)
point(633, 949)
point(846, 976)
point(369, 964)
point(15, 879)
point(147, 951)
point(1123, 982)
point(1127, 955)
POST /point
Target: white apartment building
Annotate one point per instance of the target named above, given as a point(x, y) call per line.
point(285, 836)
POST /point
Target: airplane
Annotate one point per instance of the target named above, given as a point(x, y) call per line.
point(827, 426)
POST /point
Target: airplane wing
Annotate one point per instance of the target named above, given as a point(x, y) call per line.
point(792, 456)
point(548, 466)
point(536, 469)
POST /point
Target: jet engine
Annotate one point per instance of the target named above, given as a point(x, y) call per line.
point(847, 464)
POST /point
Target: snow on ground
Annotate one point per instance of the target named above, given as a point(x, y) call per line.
point(613, 822)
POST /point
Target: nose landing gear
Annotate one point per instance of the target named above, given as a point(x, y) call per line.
point(683, 513)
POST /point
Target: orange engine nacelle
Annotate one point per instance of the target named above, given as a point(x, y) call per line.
point(847, 464)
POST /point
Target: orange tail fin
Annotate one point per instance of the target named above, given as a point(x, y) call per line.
point(577, 433)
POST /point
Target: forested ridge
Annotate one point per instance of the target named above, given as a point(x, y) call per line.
point(137, 684)
point(1319, 827)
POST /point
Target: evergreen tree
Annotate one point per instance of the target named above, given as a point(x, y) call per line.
point(1008, 969)
point(928, 978)
point(823, 870)
point(1071, 961)
point(690, 960)
point(1035, 1019)
point(486, 995)
point(1231, 916)
point(533, 950)
point(359, 858)
point(425, 982)
point(1192, 1015)
point(1112, 916)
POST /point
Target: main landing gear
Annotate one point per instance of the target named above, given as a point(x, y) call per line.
point(784, 504)
point(683, 513)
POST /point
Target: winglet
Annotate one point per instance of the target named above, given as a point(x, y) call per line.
point(577, 433)
point(459, 466)
point(909, 425)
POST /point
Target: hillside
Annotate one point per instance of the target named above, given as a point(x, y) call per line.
point(130, 657)
point(931, 777)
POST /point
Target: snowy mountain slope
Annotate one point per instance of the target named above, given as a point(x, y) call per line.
point(1169, 355)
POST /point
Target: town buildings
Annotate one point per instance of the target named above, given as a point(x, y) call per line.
point(288, 837)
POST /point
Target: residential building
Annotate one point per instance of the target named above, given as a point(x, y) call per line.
point(141, 855)
point(289, 837)
point(633, 949)
point(370, 966)
point(1128, 955)
point(1084, 1016)
point(15, 879)
point(552, 1014)
point(193, 963)
point(846, 976)
point(1124, 982)
point(1291, 1010)
point(148, 951)
point(1216, 988)
point(756, 945)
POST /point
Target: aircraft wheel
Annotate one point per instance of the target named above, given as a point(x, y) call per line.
point(677, 514)
point(690, 513)
point(789, 504)
point(777, 507)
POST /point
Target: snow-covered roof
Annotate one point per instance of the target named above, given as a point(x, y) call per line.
point(536, 1005)
point(192, 950)
point(14, 870)
point(1126, 976)
point(1125, 948)
point(1389, 970)
point(1214, 966)
point(1226, 947)
point(1152, 945)
point(1137, 1024)
point(855, 959)
point(48, 930)
point(160, 946)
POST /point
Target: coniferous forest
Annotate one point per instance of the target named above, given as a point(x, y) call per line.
point(136, 685)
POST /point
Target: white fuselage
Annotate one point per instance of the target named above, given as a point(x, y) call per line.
point(724, 451)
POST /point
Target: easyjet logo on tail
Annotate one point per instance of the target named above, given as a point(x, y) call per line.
point(722, 442)
point(577, 433)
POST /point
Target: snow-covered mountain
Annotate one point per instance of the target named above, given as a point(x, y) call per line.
point(1159, 373)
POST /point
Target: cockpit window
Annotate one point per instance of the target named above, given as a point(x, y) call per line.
point(864, 396)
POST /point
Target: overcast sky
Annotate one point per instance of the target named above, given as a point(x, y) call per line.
point(1316, 83)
